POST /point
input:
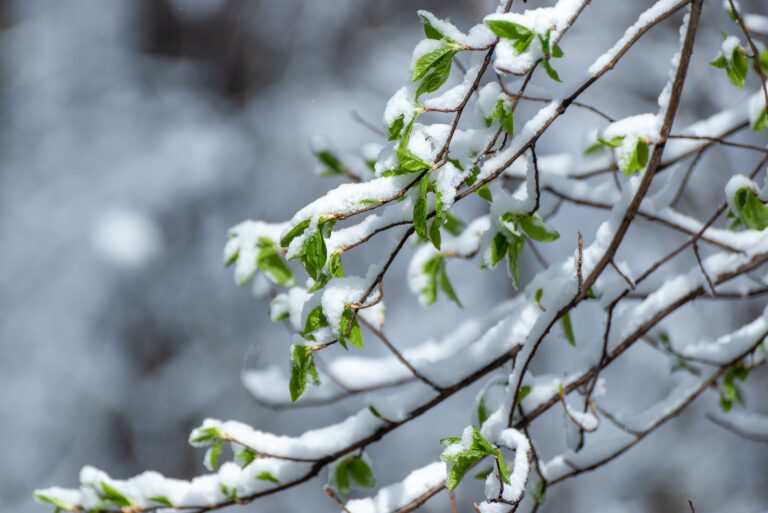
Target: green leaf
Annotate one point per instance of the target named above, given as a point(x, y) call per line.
point(516, 245)
point(437, 221)
point(763, 61)
point(58, 503)
point(303, 363)
point(270, 262)
point(355, 336)
point(315, 320)
point(429, 30)
point(499, 248)
point(613, 142)
point(437, 74)
point(454, 225)
point(482, 412)
point(735, 65)
point(557, 52)
point(246, 456)
point(522, 36)
point(538, 295)
point(420, 209)
point(315, 253)
point(361, 473)
point(539, 492)
point(115, 497)
point(535, 228)
point(333, 166)
point(445, 285)
point(267, 476)
point(459, 466)
point(485, 193)
point(396, 128)
point(294, 232)
point(752, 212)
point(431, 270)
point(162, 500)
point(524, 391)
point(206, 435)
point(483, 474)
point(761, 123)
point(639, 158)
point(544, 40)
point(430, 60)
point(449, 440)
point(502, 466)
point(565, 322)
point(550, 70)
point(341, 478)
point(213, 454)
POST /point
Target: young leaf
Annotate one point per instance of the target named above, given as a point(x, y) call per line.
point(114, 496)
point(482, 412)
point(522, 36)
point(165, 501)
point(396, 128)
point(267, 476)
point(303, 363)
point(429, 61)
point(58, 503)
point(212, 456)
point(752, 212)
point(437, 74)
point(639, 158)
point(361, 473)
point(420, 209)
point(315, 320)
point(459, 464)
point(454, 225)
point(445, 284)
point(270, 262)
point(437, 221)
point(524, 391)
point(295, 232)
point(551, 72)
point(565, 322)
point(535, 228)
point(499, 248)
point(485, 193)
point(761, 123)
point(333, 166)
point(246, 456)
point(516, 245)
point(355, 336)
point(431, 271)
point(429, 30)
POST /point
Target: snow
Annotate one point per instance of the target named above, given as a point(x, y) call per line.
point(731, 346)
point(734, 185)
point(478, 36)
point(756, 107)
point(126, 237)
point(646, 18)
point(751, 425)
point(756, 22)
point(729, 45)
point(396, 495)
point(402, 103)
point(243, 245)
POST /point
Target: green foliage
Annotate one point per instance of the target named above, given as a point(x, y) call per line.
point(352, 470)
point(750, 211)
point(504, 115)
point(246, 456)
point(165, 501)
point(302, 364)
point(213, 454)
point(349, 329)
point(735, 65)
point(267, 476)
point(420, 208)
point(460, 462)
point(271, 263)
point(429, 30)
point(535, 228)
point(396, 128)
point(520, 36)
point(601, 143)
point(59, 504)
point(313, 253)
point(332, 166)
point(316, 319)
point(549, 54)
point(434, 68)
point(761, 123)
point(730, 392)
point(206, 435)
point(567, 325)
point(114, 496)
point(437, 277)
point(333, 269)
point(638, 159)
point(516, 246)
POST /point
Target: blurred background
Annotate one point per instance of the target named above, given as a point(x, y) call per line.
point(135, 132)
